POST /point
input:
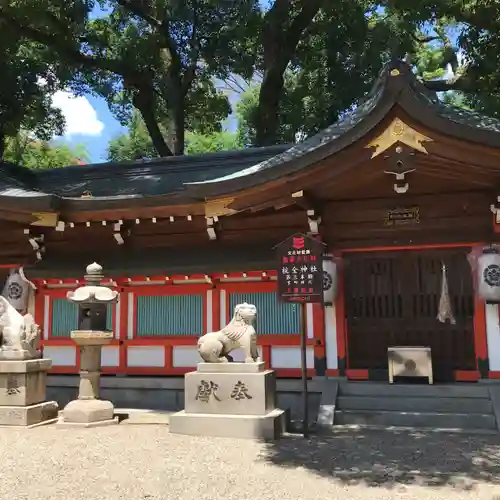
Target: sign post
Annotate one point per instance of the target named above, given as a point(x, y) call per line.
point(300, 281)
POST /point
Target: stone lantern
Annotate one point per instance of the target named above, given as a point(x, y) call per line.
point(93, 300)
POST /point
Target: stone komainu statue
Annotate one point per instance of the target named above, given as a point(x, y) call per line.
point(18, 334)
point(215, 347)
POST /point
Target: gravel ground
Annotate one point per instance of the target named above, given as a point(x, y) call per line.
point(136, 462)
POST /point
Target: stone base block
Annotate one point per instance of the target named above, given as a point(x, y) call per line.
point(228, 392)
point(267, 427)
point(26, 416)
point(258, 366)
point(16, 355)
point(61, 423)
point(87, 411)
point(23, 383)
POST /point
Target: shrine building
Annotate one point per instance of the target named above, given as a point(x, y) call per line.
point(402, 191)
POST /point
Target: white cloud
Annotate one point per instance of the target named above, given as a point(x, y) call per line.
point(81, 117)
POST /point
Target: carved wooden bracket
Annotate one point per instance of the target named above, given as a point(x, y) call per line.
point(121, 231)
point(495, 210)
point(312, 207)
point(212, 234)
point(37, 242)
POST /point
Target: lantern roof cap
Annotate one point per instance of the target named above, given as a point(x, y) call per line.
point(93, 294)
point(93, 291)
point(94, 269)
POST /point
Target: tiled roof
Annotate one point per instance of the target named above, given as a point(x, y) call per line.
point(148, 178)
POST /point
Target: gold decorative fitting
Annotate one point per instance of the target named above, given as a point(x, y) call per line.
point(395, 72)
point(219, 207)
point(86, 194)
point(398, 131)
point(45, 219)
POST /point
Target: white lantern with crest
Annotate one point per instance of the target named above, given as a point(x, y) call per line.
point(17, 289)
point(488, 276)
point(330, 281)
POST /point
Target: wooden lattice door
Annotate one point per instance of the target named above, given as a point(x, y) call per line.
point(392, 299)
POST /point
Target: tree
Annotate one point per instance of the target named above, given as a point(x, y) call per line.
point(30, 77)
point(24, 150)
point(334, 65)
point(317, 58)
point(473, 53)
point(338, 59)
point(283, 27)
point(326, 50)
point(136, 144)
point(159, 56)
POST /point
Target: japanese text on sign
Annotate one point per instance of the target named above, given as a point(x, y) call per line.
point(300, 272)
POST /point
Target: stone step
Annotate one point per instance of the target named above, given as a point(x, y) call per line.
point(415, 404)
point(385, 389)
point(339, 429)
point(416, 419)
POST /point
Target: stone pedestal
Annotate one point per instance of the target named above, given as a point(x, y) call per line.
point(23, 392)
point(230, 400)
point(88, 410)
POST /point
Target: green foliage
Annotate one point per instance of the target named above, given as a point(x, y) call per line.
point(246, 111)
point(30, 77)
point(339, 57)
point(136, 144)
point(24, 150)
point(211, 143)
point(133, 145)
point(334, 65)
point(159, 56)
point(475, 25)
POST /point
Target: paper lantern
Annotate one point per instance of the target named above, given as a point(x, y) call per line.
point(16, 290)
point(488, 276)
point(330, 280)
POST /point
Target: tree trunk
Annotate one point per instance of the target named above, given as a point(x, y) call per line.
point(145, 104)
point(177, 132)
point(267, 120)
point(280, 44)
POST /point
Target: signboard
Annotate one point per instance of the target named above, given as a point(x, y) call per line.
point(300, 269)
point(402, 216)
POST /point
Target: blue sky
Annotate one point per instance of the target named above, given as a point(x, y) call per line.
point(89, 123)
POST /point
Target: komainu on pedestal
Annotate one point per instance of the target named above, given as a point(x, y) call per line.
point(23, 374)
point(229, 399)
point(215, 347)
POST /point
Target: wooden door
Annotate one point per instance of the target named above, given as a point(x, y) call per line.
point(392, 299)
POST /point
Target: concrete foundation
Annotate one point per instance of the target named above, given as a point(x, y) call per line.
point(269, 427)
point(167, 393)
point(25, 416)
point(23, 393)
point(230, 400)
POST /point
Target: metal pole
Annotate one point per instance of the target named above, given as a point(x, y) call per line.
point(303, 359)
